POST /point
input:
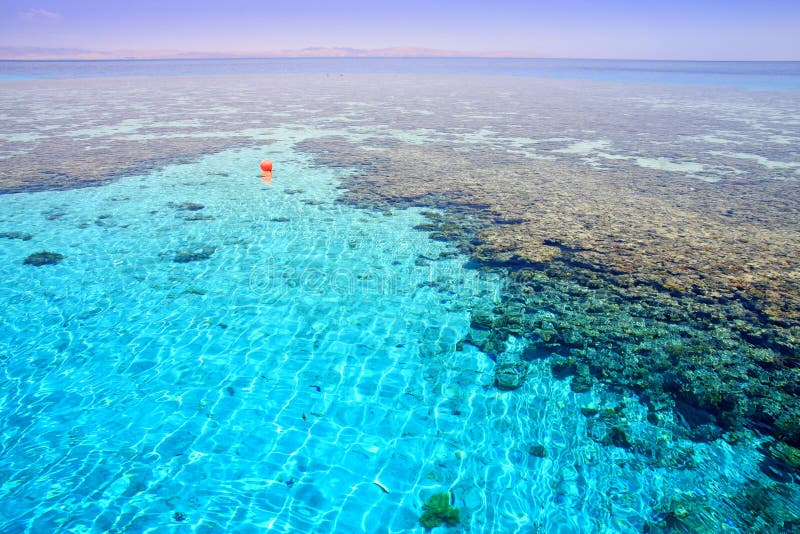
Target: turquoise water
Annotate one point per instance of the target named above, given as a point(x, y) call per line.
point(267, 384)
point(303, 373)
point(752, 75)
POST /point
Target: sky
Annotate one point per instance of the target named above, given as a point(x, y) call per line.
point(635, 29)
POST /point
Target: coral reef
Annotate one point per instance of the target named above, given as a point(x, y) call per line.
point(720, 363)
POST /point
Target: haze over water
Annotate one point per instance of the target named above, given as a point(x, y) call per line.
point(755, 75)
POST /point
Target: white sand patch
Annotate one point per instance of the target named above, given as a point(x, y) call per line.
point(185, 123)
point(665, 164)
point(530, 154)
point(124, 127)
point(341, 118)
point(584, 147)
point(784, 140)
point(710, 138)
point(761, 160)
point(606, 155)
point(419, 136)
point(20, 137)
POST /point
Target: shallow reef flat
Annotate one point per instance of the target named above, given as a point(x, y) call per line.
point(648, 237)
point(688, 196)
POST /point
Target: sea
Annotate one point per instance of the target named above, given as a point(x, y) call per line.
point(754, 75)
point(187, 346)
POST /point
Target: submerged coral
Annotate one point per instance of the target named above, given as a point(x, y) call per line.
point(186, 206)
point(198, 217)
point(194, 254)
point(16, 235)
point(44, 257)
point(438, 510)
point(510, 373)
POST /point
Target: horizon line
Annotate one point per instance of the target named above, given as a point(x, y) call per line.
point(18, 53)
point(239, 58)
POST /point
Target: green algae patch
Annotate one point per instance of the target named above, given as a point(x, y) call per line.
point(438, 510)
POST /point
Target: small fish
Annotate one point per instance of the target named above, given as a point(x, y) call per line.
point(305, 417)
point(319, 389)
point(381, 486)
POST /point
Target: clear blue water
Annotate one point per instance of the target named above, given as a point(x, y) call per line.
point(269, 384)
point(753, 75)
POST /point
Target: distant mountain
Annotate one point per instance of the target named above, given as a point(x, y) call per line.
point(34, 53)
point(399, 51)
point(26, 52)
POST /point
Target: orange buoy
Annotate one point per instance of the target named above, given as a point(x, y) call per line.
point(266, 165)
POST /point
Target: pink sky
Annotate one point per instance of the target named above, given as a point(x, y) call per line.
point(679, 29)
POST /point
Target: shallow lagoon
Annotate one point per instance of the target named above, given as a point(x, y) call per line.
point(250, 387)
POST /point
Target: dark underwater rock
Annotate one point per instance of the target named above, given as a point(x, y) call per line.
point(187, 256)
point(533, 351)
point(54, 214)
point(198, 217)
point(481, 321)
point(186, 206)
point(781, 462)
point(44, 257)
point(563, 366)
point(537, 450)
point(618, 438)
point(490, 344)
point(510, 375)
point(694, 416)
point(581, 383)
point(16, 235)
point(104, 221)
point(705, 433)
